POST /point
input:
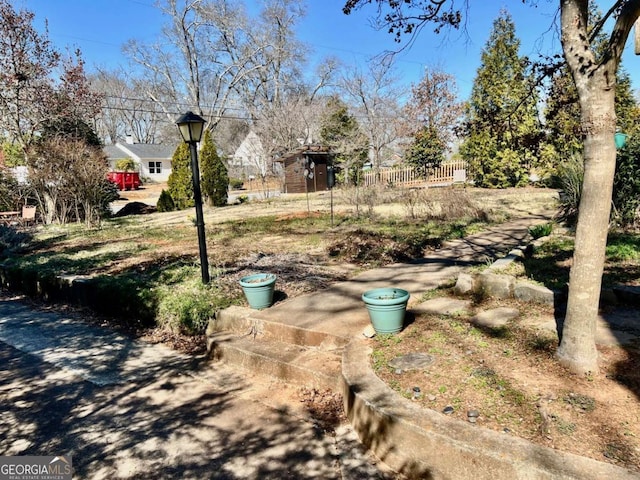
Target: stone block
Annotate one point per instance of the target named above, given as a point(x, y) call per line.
point(496, 285)
point(530, 292)
point(442, 306)
point(465, 284)
point(496, 317)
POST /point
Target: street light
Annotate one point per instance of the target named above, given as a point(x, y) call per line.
point(191, 127)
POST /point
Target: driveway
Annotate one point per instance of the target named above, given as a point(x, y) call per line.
point(125, 409)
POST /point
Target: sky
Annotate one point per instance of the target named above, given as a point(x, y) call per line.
point(101, 27)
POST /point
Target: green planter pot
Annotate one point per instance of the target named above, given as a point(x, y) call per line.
point(258, 289)
point(386, 307)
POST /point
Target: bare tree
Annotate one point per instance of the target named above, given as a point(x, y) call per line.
point(282, 106)
point(203, 55)
point(374, 95)
point(125, 112)
point(27, 60)
point(434, 104)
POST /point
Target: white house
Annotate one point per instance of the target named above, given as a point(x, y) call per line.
point(154, 161)
point(249, 158)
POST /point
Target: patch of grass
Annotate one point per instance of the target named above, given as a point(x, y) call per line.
point(623, 247)
point(186, 305)
point(487, 378)
point(387, 340)
point(582, 402)
point(549, 264)
point(379, 360)
point(565, 427)
point(542, 230)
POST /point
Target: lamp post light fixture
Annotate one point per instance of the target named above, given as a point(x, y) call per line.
point(191, 127)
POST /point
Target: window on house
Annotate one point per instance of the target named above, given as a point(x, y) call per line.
point(155, 167)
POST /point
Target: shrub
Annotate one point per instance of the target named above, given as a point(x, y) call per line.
point(215, 179)
point(186, 307)
point(180, 180)
point(236, 183)
point(570, 175)
point(165, 202)
point(126, 165)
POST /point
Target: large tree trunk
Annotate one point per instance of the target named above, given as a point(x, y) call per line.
point(577, 348)
point(595, 82)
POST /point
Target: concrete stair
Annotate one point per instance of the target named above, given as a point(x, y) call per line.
point(239, 336)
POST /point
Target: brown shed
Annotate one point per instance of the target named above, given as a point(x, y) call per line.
point(305, 169)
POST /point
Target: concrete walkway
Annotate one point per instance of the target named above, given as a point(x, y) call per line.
point(339, 311)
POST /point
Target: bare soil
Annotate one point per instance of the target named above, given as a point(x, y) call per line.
point(510, 379)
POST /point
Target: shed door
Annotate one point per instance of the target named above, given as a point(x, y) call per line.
point(318, 181)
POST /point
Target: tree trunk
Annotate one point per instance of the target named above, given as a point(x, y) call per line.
point(577, 349)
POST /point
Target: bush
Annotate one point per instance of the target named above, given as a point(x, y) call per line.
point(570, 176)
point(187, 306)
point(236, 183)
point(626, 185)
point(165, 202)
point(215, 178)
point(126, 165)
point(180, 182)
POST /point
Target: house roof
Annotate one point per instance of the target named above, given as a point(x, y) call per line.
point(140, 151)
point(306, 150)
point(112, 152)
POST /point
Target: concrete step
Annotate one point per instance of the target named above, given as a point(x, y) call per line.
point(311, 366)
point(245, 321)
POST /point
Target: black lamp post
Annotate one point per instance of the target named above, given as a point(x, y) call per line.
point(191, 127)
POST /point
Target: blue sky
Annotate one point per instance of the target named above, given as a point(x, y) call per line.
point(100, 28)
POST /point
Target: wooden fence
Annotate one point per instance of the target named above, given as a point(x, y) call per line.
point(447, 174)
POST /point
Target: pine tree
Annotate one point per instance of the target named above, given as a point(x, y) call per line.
point(215, 179)
point(341, 132)
point(502, 128)
point(426, 151)
point(180, 182)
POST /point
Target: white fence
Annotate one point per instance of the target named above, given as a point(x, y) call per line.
point(446, 174)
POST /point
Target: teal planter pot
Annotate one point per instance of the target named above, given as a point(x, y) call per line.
point(258, 289)
point(620, 139)
point(386, 307)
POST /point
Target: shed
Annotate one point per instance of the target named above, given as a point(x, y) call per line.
point(305, 169)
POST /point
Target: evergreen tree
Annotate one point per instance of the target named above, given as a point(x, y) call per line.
point(562, 116)
point(180, 182)
point(165, 202)
point(426, 151)
point(215, 179)
point(501, 127)
point(340, 132)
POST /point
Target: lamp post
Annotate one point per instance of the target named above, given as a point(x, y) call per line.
point(191, 127)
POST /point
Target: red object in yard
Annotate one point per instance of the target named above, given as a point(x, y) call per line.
point(125, 180)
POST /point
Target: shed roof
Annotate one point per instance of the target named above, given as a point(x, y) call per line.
point(305, 150)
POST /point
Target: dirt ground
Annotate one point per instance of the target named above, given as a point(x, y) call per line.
point(508, 380)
